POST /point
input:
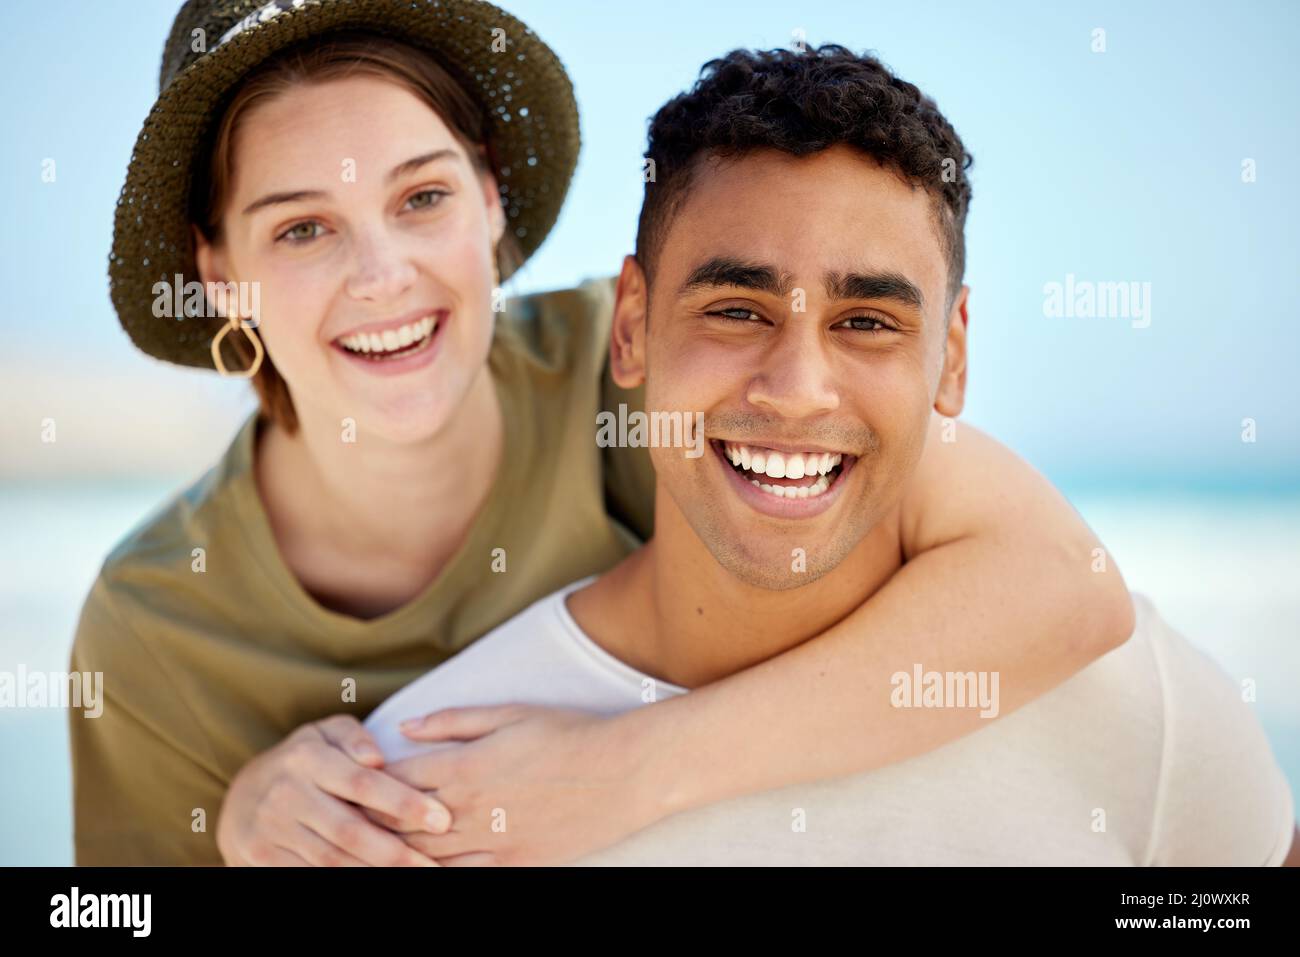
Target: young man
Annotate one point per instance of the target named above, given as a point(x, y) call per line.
point(798, 281)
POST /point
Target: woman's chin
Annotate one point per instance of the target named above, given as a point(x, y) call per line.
point(399, 420)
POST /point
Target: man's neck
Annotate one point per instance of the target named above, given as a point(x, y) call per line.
point(671, 611)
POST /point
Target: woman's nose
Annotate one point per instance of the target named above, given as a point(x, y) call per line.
point(382, 269)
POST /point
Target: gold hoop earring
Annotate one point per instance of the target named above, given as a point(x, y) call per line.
point(249, 331)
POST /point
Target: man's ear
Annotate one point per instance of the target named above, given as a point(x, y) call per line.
point(627, 337)
point(951, 395)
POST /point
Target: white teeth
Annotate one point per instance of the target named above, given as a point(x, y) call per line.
point(794, 491)
point(795, 465)
point(792, 465)
point(391, 340)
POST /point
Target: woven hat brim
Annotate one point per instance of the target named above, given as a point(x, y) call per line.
point(534, 129)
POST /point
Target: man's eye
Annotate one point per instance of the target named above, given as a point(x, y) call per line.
point(867, 324)
point(434, 196)
point(738, 313)
point(294, 237)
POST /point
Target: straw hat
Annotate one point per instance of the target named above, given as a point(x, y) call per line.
point(521, 84)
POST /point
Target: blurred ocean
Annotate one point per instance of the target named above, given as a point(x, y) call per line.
point(1220, 568)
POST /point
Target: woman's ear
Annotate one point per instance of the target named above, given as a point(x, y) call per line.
point(627, 336)
point(951, 395)
point(496, 211)
point(210, 261)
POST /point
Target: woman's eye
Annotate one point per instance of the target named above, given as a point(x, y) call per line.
point(295, 237)
point(434, 196)
point(739, 313)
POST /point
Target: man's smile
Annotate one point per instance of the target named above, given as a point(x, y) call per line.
point(785, 482)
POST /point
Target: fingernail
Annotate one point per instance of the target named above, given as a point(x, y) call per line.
point(437, 821)
point(410, 724)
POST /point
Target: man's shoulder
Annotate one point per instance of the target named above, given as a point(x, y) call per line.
point(1161, 717)
point(1223, 796)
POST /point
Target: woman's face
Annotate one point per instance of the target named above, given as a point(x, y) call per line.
point(370, 232)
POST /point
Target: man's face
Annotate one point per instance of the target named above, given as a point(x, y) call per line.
point(799, 304)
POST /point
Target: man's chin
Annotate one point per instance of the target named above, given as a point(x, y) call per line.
point(773, 569)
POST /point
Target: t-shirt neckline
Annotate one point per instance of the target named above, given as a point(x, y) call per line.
point(602, 658)
point(256, 524)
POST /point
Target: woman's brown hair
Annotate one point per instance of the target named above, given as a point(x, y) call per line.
point(340, 55)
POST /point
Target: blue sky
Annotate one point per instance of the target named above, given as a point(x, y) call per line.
point(1115, 166)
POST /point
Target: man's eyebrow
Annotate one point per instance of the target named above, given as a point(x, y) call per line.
point(874, 285)
point(724, 271)
point(402, 169)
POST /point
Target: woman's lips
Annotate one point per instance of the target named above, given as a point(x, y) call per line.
point(387, 352)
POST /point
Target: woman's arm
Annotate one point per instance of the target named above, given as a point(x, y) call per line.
point(1001, 575)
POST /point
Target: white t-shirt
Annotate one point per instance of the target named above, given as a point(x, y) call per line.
point(1148, 756)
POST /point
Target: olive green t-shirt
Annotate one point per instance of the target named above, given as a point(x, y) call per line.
point(209, 658)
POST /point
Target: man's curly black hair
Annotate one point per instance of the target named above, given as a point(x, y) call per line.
point(801, 102)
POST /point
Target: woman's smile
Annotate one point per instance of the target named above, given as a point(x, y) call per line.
point(396, 347)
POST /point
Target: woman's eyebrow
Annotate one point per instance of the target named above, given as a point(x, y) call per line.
point(401, 169)
point(411, 165)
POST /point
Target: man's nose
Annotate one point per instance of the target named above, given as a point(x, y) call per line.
point(796, 378)
point(382, 269)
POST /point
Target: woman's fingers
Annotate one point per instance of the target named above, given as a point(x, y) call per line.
point(342, 777)
point(428, 772)
point(318, 852)
point(350, 736)
point(442, 847)
point(269, 855)
point(476, 859)
point(460, 724)
point(347, 829)
point(390, 822)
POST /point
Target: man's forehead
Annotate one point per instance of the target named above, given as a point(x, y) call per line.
point(837, 211)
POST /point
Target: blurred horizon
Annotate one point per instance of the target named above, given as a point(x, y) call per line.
point(1109, 167)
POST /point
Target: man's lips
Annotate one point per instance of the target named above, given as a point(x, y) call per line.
point(786, 482)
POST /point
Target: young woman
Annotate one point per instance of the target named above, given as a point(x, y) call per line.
point(423, 469)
